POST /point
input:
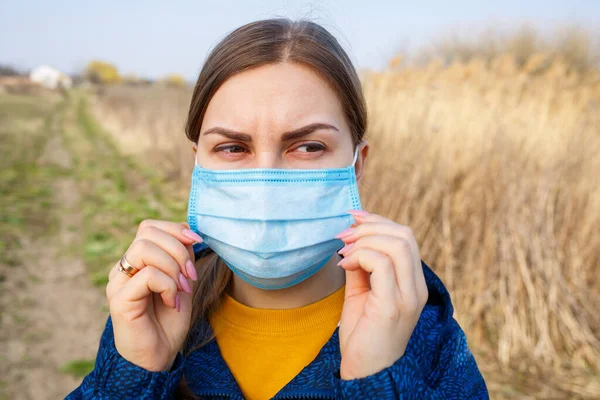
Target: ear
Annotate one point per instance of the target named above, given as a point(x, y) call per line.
point(195, 148)
point(363, 151)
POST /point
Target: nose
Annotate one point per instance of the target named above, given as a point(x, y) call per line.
point(267, 159)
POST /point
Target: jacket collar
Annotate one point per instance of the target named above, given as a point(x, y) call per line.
point(215, 377)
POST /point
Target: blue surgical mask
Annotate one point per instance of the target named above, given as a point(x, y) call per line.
point(273, 227)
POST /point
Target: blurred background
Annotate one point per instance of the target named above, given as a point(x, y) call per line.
point(485, 136)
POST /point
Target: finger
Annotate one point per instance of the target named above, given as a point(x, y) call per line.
point(177, 250)
point(358, 281)
point(380, 266)
point(179, 230)
point(141, 285)
point(389, 229)
point(361, 216)
point(116, 280)
point(399, 252)
point(372, 224)
point(144, 252)
point(189, 247)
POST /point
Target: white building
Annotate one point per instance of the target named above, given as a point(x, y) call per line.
point(50, 77)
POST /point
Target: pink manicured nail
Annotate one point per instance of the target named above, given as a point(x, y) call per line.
point(342, 261)
point(191, 270)
point(360, 213)
point(184, 284)
point(192, 235)
point(177, 303)
point(345, 233)
point(345, 248)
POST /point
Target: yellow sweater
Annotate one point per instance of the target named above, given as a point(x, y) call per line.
point(267, 348)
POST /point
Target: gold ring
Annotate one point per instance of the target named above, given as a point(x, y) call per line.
point(127, 268)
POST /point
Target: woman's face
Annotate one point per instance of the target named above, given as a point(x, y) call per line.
point(276, 116)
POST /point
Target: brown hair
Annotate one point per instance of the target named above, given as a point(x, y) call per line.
point(269, 41)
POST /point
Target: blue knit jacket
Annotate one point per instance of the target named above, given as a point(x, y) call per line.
point(437, 364)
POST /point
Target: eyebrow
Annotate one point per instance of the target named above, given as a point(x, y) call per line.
point(295, 134)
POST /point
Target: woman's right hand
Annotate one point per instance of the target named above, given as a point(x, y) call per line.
point(151, 310)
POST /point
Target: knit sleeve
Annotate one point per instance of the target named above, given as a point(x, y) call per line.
point(437, 364)
point(114, 377)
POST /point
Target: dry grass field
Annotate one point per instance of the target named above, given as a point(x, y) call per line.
point(496, 167)
point(494, 162)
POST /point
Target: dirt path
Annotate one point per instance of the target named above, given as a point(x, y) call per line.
point(52, 314)
point(74, 205)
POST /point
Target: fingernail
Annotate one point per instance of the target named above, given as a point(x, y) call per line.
point(342, 261)
point(345, 248)
point(345, 233)
point(184, 284)
point(177, 303)
point(192, 235)
point(360, 213)
point(191, 270)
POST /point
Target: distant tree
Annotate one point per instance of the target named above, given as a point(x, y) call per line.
point(102, 72)
point(7, 70)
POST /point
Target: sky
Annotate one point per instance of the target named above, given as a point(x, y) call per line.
point(153, 38)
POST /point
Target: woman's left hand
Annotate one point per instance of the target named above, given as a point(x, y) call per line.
point(385, 293)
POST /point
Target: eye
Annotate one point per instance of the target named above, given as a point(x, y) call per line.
point(311, 147)
point(234, 148)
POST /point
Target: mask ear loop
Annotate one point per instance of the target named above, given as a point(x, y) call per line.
point(355, 156)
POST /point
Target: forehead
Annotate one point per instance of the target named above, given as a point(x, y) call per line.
point(274, 96)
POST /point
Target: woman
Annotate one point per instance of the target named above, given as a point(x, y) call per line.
point(279, 285)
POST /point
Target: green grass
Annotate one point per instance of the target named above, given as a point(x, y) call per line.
point(26, 200)
point(24, 107)
point(78, 368)
point(117, 193)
